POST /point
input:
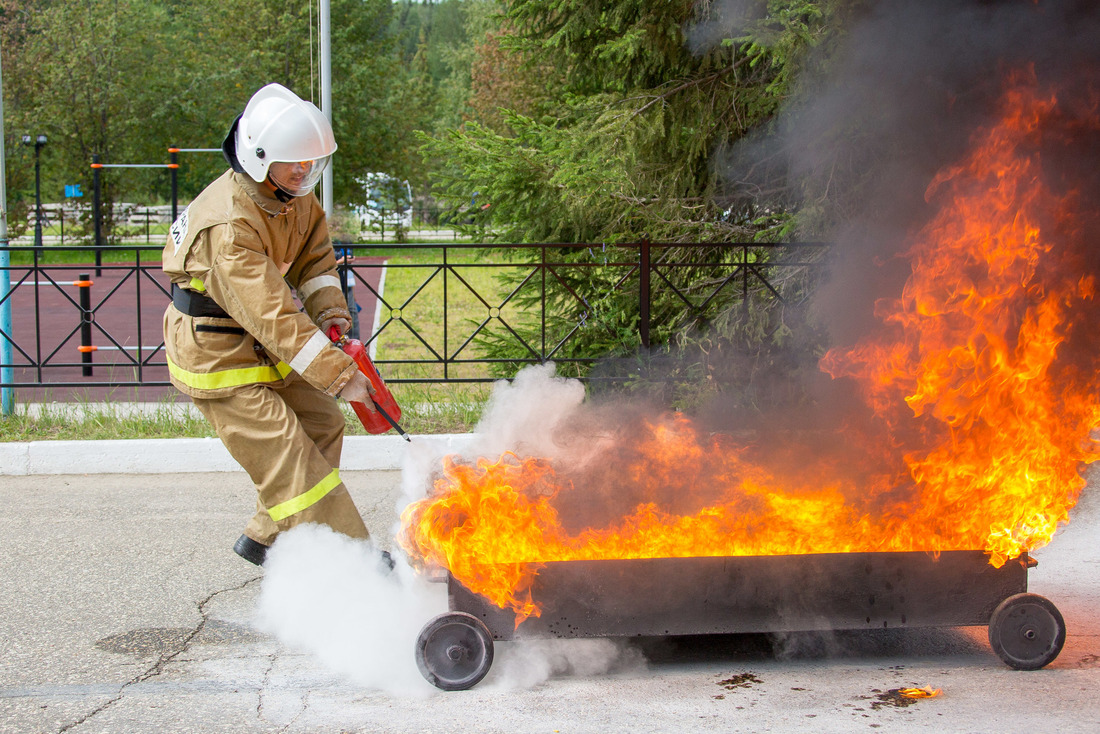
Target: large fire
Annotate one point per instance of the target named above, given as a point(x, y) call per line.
point(983, 428)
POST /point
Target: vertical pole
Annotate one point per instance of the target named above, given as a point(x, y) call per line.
point(542, 330)
point(37, 196)
point(7, 402)
point(137, 301)
point(85, 289)
point(173, 158)
point(446, 320)
point(96, 213)
point(326, 97)
point(643, 292)
point(745, 283)
point(37, 270)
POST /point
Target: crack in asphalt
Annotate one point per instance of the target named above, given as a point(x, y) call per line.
point(165, 658)
point(263, 685)
point(301, 710)
point(303, 704)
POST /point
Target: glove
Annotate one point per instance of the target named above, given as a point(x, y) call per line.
point(359, 390)
point(337, 321)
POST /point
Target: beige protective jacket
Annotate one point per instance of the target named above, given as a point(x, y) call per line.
point(246, 250)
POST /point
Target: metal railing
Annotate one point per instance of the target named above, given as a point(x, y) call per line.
point(428, 305)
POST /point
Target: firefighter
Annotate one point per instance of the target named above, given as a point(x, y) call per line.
point(260, 369)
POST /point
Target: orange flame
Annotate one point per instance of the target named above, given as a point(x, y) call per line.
point(983, 429)
point(926, 692)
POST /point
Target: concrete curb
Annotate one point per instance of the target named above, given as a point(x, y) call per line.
point(184, 455)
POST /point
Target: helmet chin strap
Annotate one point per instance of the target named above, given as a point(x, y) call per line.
point(278, 191)
point(281, 195)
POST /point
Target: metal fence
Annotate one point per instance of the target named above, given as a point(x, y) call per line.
point(425, 308)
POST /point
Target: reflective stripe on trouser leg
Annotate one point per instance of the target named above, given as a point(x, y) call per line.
point(324, 424)
point(286, 453)
point(307, 499)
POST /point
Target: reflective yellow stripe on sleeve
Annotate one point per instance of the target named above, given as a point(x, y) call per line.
point(228, 378)
point(307, 499)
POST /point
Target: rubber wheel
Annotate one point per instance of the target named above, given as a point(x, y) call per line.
point(454, 651)
point(1027, 631)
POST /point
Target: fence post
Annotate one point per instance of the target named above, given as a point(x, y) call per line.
point(745, 283)
point(7, 374)
point(643, 292)
point(542, 308)
point(173, 158)
point(7, 396)
point(85, 287)
point(446, 321)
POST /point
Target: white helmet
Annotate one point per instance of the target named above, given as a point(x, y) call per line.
point(278, 127)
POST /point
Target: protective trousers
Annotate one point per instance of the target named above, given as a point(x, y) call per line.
point(288, 439)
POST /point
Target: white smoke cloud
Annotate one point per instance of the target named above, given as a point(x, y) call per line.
point(529, 663)
point(326, 594)
point(536, 414)
point(523, 415)
point(372, 619)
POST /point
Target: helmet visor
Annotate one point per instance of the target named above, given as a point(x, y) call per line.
point(297, 179)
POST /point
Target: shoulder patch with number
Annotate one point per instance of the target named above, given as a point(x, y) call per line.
point(178, 231)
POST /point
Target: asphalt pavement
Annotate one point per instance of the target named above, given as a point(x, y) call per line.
point(124, 610)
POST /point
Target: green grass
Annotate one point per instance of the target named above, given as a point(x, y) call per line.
point(414, 292)
point(426, 409)
point(72, 254)
point(156, 229)
point(99, 421)
point(414, 327)
point(432, 408)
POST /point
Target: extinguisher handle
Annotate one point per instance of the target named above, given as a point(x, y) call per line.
point(367, 368)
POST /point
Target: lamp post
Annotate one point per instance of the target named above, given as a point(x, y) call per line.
point(38, 141)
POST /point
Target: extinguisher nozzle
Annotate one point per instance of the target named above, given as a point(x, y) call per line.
point(392, 422)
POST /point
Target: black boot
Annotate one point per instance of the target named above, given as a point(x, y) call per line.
point(250, 550)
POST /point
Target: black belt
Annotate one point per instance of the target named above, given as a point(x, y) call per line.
point(194, 303)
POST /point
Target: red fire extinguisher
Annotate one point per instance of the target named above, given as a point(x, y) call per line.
point(387, 412)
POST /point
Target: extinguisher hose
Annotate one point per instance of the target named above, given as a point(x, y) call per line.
point(392, 422)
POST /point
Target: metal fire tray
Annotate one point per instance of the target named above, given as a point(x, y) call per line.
point(747, 594)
